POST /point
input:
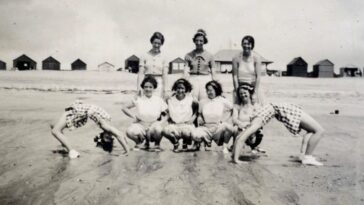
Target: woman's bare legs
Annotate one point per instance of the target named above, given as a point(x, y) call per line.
point(314, 129)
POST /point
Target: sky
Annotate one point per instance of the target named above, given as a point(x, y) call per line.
point(97, 31)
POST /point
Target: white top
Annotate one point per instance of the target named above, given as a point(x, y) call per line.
point(153, 64)
point(213, 110)
point(180, 111)
point(149, 109)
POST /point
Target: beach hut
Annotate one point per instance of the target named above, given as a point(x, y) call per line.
point(106, 66)
point(272, 72)
point(132, 64)
point(323, 69)
point(350, 70)
point(2, 65)
point(23, 62)
point(224, 60)
point(51, 64)
point(78, 65)
point(176, 66)
point(297, 67)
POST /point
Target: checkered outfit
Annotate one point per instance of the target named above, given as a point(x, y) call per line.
point(288, 114)
point(78, 113)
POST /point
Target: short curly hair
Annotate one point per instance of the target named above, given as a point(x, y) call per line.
point(149, 79)
point(216, 85)
point(184, 82)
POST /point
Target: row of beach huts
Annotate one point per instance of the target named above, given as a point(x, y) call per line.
point(297, 67)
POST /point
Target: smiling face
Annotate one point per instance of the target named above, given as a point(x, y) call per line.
point(244, 95)
point(157, 44)
point(180, 91)
point(210, 91)
point(148, 89)
point(247, 46)
point(199, 42)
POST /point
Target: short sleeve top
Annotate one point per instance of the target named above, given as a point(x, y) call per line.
point(213, 109)
point(153, 64)
point(149, 109)
point(199, 63)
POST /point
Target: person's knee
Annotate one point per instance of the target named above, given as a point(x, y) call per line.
point(131, 132)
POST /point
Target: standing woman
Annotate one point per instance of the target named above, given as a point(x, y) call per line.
point(153, 63)
point(247, 68)
point(200, 65)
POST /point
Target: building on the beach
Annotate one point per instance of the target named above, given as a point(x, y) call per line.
point(176, 66)
point(272, 72)
point(297, 67)
point(78, 65)
point(350, 70)
point(2, 65)
point(323, 69)
point(132, 64)
point(23, 62)
point(51, 64)
point(106, 66)
point(224, 60)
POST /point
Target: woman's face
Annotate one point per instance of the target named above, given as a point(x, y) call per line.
point(180, 91)
point(148, 89)
point(156, 43)
point(211, 93)
point(199, 42)
point(247, 46)
point(244, 94)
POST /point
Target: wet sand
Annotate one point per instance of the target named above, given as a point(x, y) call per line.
point(32, 172)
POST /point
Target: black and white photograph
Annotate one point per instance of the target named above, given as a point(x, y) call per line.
point(182, 102)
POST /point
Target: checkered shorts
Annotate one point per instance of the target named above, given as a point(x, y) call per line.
point(78, 113)
point(288, 114)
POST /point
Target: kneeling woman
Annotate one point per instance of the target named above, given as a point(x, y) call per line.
point(76, 115)
point(294, 119)
point(182, 111)
point(149, 109)
point(210, 119)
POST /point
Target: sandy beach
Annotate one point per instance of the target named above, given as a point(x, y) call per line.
point(33, 172)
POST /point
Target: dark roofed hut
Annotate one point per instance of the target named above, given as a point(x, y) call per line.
point(323, 69)
point(23, 62)
point(176, 66)
point(132, 64)
point(297, 67)
point(78, 65)
point(2, 65)
point(350, 71)
point(51, 64)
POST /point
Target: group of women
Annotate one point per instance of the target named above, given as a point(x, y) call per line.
point(196, 112)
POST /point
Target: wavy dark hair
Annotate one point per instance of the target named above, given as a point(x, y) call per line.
point(216, 85)
point(149, 79)
point(105, 141)
point(184, 82)
point(157, 35)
